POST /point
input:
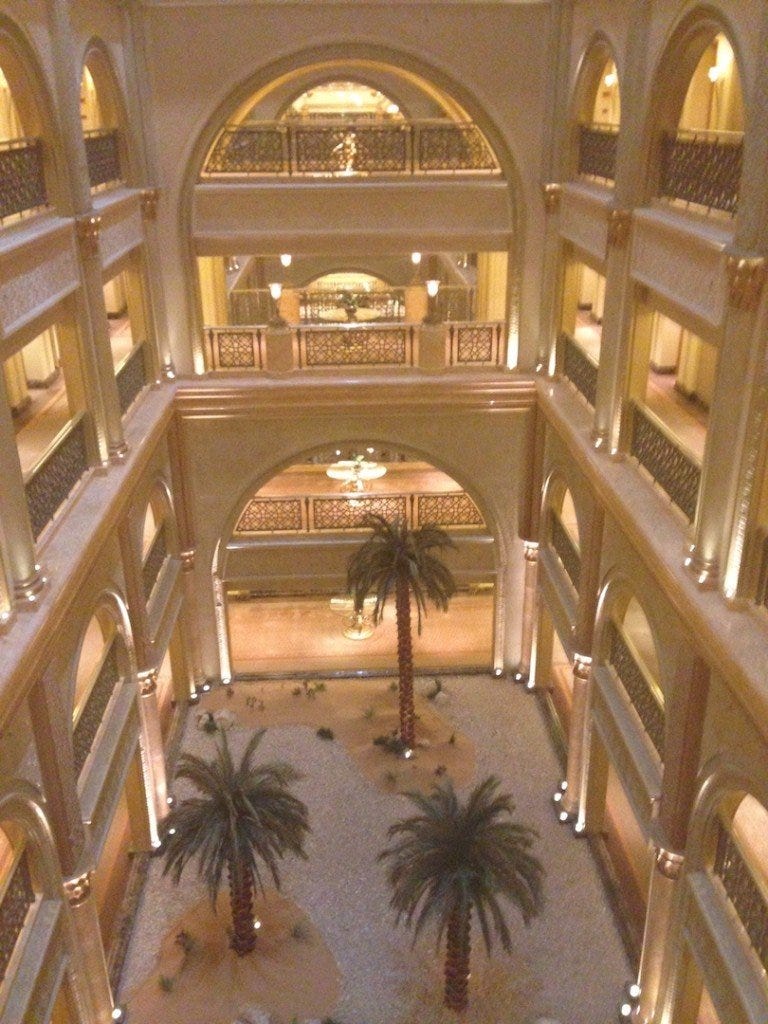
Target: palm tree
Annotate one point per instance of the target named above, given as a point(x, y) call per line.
point(246, 814)
point(452, 859)
point(397, 558)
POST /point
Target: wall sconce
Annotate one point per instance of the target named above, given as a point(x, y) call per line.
point(433, 314)
point(610, 79)
point(286, 259)
point(415, 258)
point(714, 74)
point(433, 287)
point(275, 291)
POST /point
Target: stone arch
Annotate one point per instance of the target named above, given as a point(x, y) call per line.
point(21, 804)
point(596, 54)
point(98, 60)
point(557, 485)
point(159, 505)
point(724, 783)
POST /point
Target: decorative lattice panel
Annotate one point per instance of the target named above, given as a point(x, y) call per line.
point(579, 369)
point(102, 152)
point(350, 513)
point(454, 509)
point(154, 562)
point(671, 468)
point(636, 685)
point(17, 900)
point(236, 349)
point(453, 147)
point(374, 346)
point(52, 481)
point(566, 550)
point(705, 171)
point(351, 148)
point(597, 151)
point(131, 378)
point(22, 182)
point(272, 515)
point(475, 344)
point(745, 895)
point(250, 150)
point(92, 714)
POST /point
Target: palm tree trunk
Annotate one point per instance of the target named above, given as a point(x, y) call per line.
point(457, 959)
point(405, 660)
point(241, 903)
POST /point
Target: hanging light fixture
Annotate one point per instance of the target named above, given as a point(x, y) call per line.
point(415, 258)
point(286, 259)
point(275, 291)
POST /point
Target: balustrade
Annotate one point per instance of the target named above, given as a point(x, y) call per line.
point(349, 511)
point(250, 306)
point(154, 562)
point(703, 168)
point(22, 181)
point(92, 714)
point(637, 687)
point(239, 348)
point(102, 152)
point(349, 345)
point(473, 344)
point(597, 150)
point(350, 147)
point(579, 368)
point(566, 550)
point(16, 902)
point(131, 377)
point(54, 477)
point(661, 456)
point(748, 899)
point(387, 305)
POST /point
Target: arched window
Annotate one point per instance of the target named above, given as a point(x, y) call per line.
point(598, 114)
point(101, 116)
point(564, 532)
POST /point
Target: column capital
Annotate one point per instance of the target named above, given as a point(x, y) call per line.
point(669, 863)
point(746, 277)
point(531, 550)
point(78, 889)
point(582, 666)
point(148, 200)
point(619, 224)
point(28, 589)
point(187, 559)
point(147, 681)
point(552, 192)
point(88, 229)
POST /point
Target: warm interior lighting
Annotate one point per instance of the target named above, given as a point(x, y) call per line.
point(415, 258)
point(714, 74)
point(610, 79)
point(433, 287)
point(286, 259)
point(275, 290)
point(355, 473)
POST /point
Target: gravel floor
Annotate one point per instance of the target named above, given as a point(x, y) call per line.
point(569, 966)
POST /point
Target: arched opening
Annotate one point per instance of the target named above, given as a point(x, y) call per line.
point(101, 113)
point(598, 114)
point(563, 531)
point(283, 571)
point(344, 99)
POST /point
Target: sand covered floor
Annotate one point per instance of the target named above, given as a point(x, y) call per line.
point(568, 967)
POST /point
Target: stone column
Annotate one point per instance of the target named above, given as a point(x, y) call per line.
point(153, 767)
point(552, 282)
point(644, 996)
point(530, 606)
point(16, 383)
point(568, 797)
point(22, 566)
point(90, 975)
point(188, 623)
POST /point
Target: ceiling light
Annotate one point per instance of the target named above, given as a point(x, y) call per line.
point(286, 259)
point(275, 290)
point(433, 287)
point(415, 258)
point(714, 74)
point(610, 79)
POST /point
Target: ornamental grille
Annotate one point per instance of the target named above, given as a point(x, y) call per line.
point(22, 182)
point(154, 562)
point(358, 346)
point(597, 151)
point(637, 687)
point(102, 153)
point(351, 513)
point(453, 147)
point(250, 150)
point(743, 892)
point(92, 714)
point(579, 369)
point(53, 479)
point(236, 349)
point(17, 899)
point(762, 582)
point(454, 509)
point(566, 550)
point(131, 378)
point(676, 473)
point(348, 149)
point(389, 305)
point(272, 515)
point(475, 344)
point(702, 170)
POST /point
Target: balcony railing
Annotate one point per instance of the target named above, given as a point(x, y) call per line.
point(637, 687)
point(388, 305)
point(455, 302)
point(16, 903)
point(236, 348)
point(154, 562)
point(131, 377)
point(748, 899)
point(348, 148)
point(323, 513)
point(22, 181)
point(473, 344)
point(703, 168)
point(566, 551)
point(92, 714)
point(597, 150)
point(661, 455)
point(353, 345)
point(102, 153)
point(579, 368)
point(54, 477)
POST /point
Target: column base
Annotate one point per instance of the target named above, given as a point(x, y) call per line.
point(564, 816)
point(521, 675)
point(704, 570)
point(28, 589)
point(629, 1006)
point(117, 451)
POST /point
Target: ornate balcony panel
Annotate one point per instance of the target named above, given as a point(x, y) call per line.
point(453, 509)
point(16, 903)
point(22, 182)
point(389, 305)
point(349, 513)
point(250, 150)
point(273, 515)
point(579, 369)
point(356, 346)
point(749, 900)
point(131, 377)
point(566, 550)
point(102, 152)
point(351, 149)
point(473, 344)
point(597, 150)
point(638, 690)
point(52, 480)
point(453, 147)
point(658, 453)
point(92, 714)
point(154, 562)
point(703, 168)
point(236, 349)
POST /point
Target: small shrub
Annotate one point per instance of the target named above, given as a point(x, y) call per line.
point(320, 687)
point(185, 941)
point(440, 770)
point(393, 686)
point(209, 723)
point(324, 733)
point(390, 778)
point(165, 983)
point(296, 691)
point(391, 743)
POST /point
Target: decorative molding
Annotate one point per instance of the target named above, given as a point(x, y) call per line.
point(147, 682)
point(582, 667)
point(746, 277)
point(552, 192)
point(187, 560)
point(78, 889)
point(668, 862)
point(619, 224)
point(88, 229)
point(149, 199)
point(531, 550)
